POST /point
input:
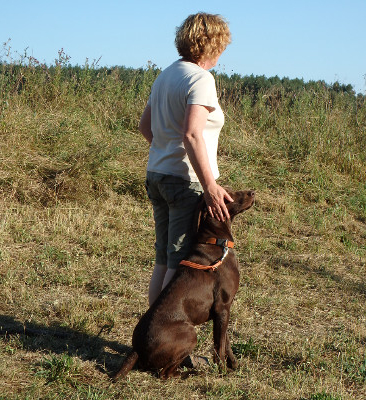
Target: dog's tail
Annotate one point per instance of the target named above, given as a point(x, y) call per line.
point(127, 365)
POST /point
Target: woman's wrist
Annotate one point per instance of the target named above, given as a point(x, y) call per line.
point(209, 187)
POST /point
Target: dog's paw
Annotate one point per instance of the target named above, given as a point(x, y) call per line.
point(232, 362)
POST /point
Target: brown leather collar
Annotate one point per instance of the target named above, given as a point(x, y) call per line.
point(224, 243)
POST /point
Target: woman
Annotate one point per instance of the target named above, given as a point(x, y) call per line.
point(182, 122)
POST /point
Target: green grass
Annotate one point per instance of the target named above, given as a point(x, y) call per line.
point(77, 234)
point(58, 368)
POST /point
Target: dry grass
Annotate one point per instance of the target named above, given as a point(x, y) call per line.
point(76, 254)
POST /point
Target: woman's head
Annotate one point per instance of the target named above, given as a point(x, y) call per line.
point(202, 36)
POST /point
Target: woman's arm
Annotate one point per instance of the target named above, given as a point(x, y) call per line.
point(194, 123)
point(145, 124)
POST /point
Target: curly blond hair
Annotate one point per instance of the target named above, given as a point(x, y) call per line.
point(202, 35)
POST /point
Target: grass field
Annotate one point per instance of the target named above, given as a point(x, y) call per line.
point(76, 238)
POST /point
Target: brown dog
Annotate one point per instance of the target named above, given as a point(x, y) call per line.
point(200, 290)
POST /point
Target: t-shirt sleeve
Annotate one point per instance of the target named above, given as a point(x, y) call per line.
point(202, 91)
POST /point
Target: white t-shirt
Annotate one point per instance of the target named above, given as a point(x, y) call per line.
point(180, 84)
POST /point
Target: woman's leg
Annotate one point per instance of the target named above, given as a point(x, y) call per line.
point(175, 204)
point(168, 277)
point(179, 240)
point(157, 282)
point(161, 218)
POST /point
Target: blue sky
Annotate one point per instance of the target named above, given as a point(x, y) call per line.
point(309, 39)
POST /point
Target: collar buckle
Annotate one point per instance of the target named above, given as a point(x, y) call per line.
point(222, 243)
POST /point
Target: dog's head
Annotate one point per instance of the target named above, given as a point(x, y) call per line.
point(242, 201)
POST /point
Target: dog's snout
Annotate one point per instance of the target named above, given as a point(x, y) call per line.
point(251, 193)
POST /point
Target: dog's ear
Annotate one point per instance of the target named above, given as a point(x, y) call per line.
point(200, 215)
point(233, 208)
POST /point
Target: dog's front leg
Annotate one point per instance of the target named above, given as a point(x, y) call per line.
point(223, 353)
point(231, 360)
point(220, 324)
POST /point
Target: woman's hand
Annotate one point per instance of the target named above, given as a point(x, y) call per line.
point(215, 197)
